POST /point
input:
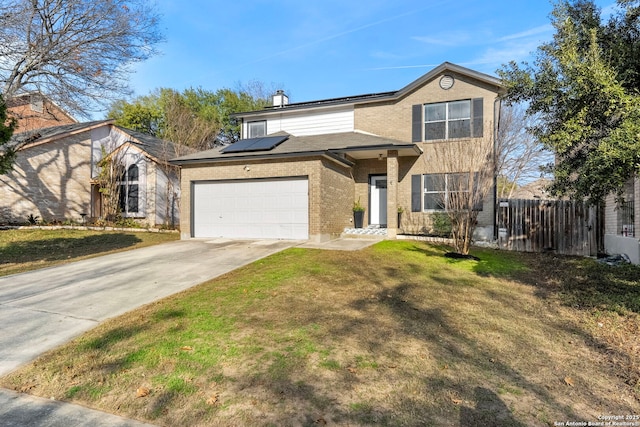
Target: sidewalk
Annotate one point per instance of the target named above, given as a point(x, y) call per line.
point(23, 410)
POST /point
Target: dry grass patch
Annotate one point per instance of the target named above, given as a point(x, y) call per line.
point(392, 335)
point(26, 250)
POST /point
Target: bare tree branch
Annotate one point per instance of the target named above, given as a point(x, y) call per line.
point(463, 183)
point(520, 157)
point(77, 52)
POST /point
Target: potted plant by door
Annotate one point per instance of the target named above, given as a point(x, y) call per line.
point(358, 214)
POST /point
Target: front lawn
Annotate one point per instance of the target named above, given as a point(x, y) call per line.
point(393, 335)
point(31, 249)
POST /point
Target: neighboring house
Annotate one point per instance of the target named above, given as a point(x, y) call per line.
point(621, 224)
point(35, 111)
point(300, 167)
point(56, 170)
point(535, 190)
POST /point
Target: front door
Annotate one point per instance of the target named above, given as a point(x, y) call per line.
point(378, 200)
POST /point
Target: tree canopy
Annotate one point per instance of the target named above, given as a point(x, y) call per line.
point(582, 90)
point(198, 118)
point(7, 152)
point(76, 52)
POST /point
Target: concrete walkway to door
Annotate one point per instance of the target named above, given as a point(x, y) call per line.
point(42, 309)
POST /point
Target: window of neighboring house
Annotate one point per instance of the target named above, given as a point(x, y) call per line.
point(447, 120)
point(256, 129)
point(439, 191)
point(626, 216)
point(129, 191)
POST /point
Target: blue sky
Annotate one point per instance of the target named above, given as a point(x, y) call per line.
point(333, 48)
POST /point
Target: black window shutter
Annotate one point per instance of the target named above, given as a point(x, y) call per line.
point(416, 193)
point(478, 122)
point(416, 123)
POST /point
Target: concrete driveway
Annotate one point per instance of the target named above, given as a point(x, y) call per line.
point(45, 308)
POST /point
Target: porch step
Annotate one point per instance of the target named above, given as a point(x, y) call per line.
point(372, 232)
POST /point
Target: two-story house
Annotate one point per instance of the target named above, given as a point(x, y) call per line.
point(301, 166)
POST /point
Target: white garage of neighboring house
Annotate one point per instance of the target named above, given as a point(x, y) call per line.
point(255, 208)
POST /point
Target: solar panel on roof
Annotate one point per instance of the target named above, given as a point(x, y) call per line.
point(264, 143)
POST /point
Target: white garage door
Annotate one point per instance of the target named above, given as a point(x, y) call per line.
point(264, 209)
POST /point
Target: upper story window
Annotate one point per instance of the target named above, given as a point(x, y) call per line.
point(256, 129)
point(447, 120)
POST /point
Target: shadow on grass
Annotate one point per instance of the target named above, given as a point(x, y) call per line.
point(471, 399)
point(62, 248)
point(432, 405)
point(443, 396)
point(489, 410)
point(112, 337)
point(581, 283)
point(577, 282)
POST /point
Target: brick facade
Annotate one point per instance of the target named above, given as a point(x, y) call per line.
point(330, 189)
point(36, 114)
point(334, 187)
point(51, 181)
point(393, 120)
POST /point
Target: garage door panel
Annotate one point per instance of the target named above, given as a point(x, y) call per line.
point(252, 209)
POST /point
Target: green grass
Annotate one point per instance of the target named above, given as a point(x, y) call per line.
point(26, 250)
point(392, 335)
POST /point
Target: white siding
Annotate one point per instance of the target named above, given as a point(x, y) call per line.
point(100, 137)
point(167, 193)
point(610, 215)
point(309, 123)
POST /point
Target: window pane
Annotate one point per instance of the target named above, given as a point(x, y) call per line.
point(434, 182)
point(434, 131)
point(460, 110)
point(460, 129)
point(434, 201)
point(434, 112)
point(132, 199)
point(122, 198)
point(132, 173)
point(257, 129)
point(458, 200)
point(458, 182)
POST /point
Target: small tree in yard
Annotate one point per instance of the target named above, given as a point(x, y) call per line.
point(112, 169)
point(461, 191)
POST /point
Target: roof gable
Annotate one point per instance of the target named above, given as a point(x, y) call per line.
point(31, 138)
point(383, 96)
point(157, 149)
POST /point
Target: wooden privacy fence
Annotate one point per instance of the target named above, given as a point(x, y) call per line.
point(563, 226)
